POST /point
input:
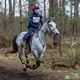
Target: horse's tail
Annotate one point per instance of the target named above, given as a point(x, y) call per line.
point(15, 48)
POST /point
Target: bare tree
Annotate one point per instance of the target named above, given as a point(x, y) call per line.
point(13, 11)
point(10, 11)
point(20, 15)
point(53, 6)
point(44, 10)
point(31, 2)
point(75, 24)
point(63, 20)
point(5, 16)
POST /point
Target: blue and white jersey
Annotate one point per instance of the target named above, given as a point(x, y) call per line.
point(34, 20)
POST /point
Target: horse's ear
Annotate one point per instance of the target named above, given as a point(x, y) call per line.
point(53, 18)
point(50, 19)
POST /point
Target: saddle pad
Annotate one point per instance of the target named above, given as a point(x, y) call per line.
point(25, 36)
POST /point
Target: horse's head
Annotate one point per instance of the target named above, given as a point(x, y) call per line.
point(56, 34)
point(52, 27)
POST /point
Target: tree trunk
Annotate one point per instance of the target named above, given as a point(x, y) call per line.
point(31, 2)
point(75, 24)
point(44, 10)
point(5, 16)
point(20, 15)
point(63, 18)
point(10, 11)
point(13, 10)
point(53, 6)
point(71, 32)
point(10, 27)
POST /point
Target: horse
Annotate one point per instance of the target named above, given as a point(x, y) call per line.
point(37, 43)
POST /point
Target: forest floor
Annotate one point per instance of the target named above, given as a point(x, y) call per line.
point(11, 69)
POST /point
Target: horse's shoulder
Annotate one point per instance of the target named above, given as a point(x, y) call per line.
point(35, 35)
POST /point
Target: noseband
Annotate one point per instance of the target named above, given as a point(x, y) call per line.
point(49, 28)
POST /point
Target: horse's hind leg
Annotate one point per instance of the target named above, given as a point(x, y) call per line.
point(20, 51)
point(26, 57)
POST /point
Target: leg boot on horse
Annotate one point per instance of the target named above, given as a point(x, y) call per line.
point(35, 66)
point(22, 61)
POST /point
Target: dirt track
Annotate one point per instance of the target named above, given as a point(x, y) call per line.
point(10, 69)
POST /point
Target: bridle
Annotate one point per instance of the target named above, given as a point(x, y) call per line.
point(45, 33)
point(49, 28)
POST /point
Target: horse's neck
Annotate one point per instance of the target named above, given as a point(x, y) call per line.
point(42, 35)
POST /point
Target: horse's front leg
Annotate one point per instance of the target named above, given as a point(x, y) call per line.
point(35, 54)
point(42, 53)
point(40, 56)
point(20, 51)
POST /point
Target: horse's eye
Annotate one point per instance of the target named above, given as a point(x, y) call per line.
point(50, 25)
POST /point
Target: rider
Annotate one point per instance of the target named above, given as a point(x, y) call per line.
point(34, 21)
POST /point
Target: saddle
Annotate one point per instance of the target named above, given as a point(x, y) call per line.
point(28, 42)
point(25, 37)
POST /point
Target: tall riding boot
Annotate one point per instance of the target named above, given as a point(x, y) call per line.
point(29, 47)
point(28, 43)
point(27, 40)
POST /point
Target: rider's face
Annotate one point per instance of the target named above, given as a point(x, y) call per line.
point(37, 11)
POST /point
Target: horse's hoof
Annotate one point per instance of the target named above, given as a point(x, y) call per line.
point(24, 69)
point(34, 67)
point(38, 63)
point(27, 66)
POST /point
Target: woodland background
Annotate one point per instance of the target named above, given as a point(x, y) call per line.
point(66, 13)
point(67, 18)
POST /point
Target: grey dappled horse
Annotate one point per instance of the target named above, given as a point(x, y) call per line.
point(38, 43)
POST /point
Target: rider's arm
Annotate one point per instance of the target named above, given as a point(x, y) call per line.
point(41, 20)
